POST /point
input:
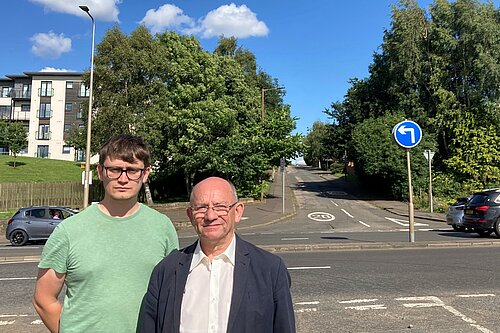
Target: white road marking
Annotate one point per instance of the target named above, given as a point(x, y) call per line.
point(19, 278)
point(365, 224)
point(306, 310)
point(321, 216)
point(309, 267)
point(3, 323)
point(307, 303)
point(36, 322)
point(333, 202)
point(405, 223)
point(435, 301)
point(367, 307)
point(296, 238)
point(18, 262)
point(359, 301)
point(477, 295)
point(347, 213)
point(244, 218)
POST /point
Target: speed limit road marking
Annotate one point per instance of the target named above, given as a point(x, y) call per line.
point(321, 216)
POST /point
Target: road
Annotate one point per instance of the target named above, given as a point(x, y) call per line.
point(429, 290)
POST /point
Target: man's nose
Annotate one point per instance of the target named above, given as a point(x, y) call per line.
point(123, 177)
point(211, 215)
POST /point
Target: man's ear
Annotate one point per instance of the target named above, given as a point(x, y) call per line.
point(100, 172)
point(238, 211)
point(189, 213)
point(145, 174)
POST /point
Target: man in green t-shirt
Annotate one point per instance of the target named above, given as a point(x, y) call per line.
point(106, 253)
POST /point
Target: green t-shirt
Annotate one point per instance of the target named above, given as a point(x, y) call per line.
point(107, 262)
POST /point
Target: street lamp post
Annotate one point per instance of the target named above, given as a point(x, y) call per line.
point(86, 180)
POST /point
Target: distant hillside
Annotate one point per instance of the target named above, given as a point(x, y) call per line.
point(30, 169)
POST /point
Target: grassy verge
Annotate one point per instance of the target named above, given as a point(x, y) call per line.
point(30, 169)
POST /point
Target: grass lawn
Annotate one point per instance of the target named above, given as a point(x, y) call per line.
point(31, 169)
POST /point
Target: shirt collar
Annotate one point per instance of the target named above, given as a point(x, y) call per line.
point(199, 256)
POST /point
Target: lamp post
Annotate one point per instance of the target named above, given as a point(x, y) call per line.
point(262, 97)
point(86, 180)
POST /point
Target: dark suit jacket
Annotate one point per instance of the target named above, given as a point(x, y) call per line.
point(261, 300)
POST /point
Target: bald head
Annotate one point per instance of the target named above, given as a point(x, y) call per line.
point(214, 183)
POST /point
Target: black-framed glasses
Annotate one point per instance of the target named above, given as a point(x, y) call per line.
point(115, 173)
point(219, 209)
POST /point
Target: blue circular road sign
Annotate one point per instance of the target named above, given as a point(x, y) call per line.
point(407, 134)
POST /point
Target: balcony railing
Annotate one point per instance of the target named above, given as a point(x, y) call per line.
point(21, 115)
point(45, 92)
point(43, 135)
point(44, 114)
point(20, 94)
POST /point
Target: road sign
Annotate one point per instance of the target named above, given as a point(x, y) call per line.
point(428, 154)
point(407, 134)
point(282, 164)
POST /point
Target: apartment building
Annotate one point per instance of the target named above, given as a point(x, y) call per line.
point(49, 104)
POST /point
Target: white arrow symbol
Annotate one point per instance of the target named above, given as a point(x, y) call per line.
point(403, 130)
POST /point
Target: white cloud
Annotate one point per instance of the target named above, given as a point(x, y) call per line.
point(103, 10)
point(166, 16)
point(52, 69)
point(50, 45)
point(231, 20)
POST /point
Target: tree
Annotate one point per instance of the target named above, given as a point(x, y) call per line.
point(14, 137)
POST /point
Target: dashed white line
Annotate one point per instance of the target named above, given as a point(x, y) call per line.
point(308, 267)
point(367, 307)
point(333, 202)
point(347, 213)
point(307, 303)
point(3, 323)
point(359, 301)
point(365, 224)
point(19, 278)
point(306, 310)
point(296, 238)
point(477, 295)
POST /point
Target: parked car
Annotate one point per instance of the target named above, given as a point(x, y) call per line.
point(35, 223)
point(482, 212)
point(455, 214)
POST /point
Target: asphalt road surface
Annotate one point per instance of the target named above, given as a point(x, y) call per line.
point(407, 290)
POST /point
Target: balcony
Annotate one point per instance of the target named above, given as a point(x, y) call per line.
point(21, 115)
point(43, 135)
point(45, 92)
point(20, 94)
point(44, 114)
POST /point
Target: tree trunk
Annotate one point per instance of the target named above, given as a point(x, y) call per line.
point(149, 197)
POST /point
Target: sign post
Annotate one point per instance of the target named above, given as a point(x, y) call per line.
point(408, 134)
point(282, 169)
point(429, 155)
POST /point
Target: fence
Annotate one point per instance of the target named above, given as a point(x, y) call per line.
point(15, 195)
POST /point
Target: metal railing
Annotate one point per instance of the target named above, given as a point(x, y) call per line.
point(20, 93)
point(21, 115)
point(43, 135)
point(44, 114)
point(45, 92)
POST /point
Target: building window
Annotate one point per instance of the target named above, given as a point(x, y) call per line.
point(69, 84)
point(42, 151)
point(5, 92)
point(80, 155)
point(5, 112)
point(25, 107)
point(26, 90)
point(67, 128)
point(66, 149)
point(46, 89)
point(84, 91)
point(43, 132)
point(68, 107)
point(45, 110)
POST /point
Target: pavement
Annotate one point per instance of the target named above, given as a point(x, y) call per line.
point(271, 211)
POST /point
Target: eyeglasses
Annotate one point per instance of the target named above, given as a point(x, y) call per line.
point(219, 209)
point(115, 173)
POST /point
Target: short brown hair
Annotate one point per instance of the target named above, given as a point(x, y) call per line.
point(125, 147)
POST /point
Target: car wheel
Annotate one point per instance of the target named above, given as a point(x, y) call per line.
point(18, 237)
point(497, 227)
point(484, 233)
point(458, 228)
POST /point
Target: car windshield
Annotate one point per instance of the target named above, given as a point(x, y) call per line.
point(460, 201)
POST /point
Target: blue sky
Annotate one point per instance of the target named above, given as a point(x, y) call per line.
point(312, 47)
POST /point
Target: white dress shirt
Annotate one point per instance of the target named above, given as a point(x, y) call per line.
point(207, 295)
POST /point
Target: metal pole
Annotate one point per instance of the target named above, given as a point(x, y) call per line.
point(89, 118)
point(283, 191)
point(262, 106)
point(430, 180)
point(410, 203)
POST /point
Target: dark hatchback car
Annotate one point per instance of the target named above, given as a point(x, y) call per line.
point(35, 223)
point(482, 212)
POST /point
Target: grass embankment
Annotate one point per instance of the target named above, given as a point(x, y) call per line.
point(30, 169)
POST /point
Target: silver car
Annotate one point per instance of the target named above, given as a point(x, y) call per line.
point(35, 223)
point(456, 213)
